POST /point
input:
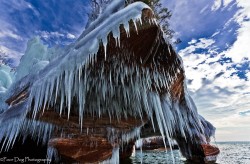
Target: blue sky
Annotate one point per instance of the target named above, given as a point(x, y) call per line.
point(215, 49)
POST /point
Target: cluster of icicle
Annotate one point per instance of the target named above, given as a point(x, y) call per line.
point(40, 131)
point(120, 91)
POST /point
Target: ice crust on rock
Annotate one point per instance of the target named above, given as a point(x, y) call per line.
point(109, 10)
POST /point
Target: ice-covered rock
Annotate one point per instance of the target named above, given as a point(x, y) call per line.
point(118, 75)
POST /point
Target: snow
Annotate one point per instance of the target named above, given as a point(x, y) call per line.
point(110, 9)
point(105, 26)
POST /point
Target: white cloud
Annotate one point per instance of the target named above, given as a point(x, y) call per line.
point(227, 2)
point(240, 48)
point(216, 33)
point(20, 5)
point(71, 36)
point(203, 43)
point(46, 35)
point(220, 95)
point(233, 121)
point(7, 33)
point(193, 41)
point(220, 3)
point(248, 75)
point(217, 5)
point(204, 9)
point(210, 77)
point(8, 30)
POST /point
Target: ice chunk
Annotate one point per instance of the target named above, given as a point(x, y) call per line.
point(36, 57)
point(6, 77)
point(34, 53)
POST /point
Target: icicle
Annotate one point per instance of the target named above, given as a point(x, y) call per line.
point(140, 20)
point(62, 101)
point(134, 21)
point(57, 86)
point(52, 153)
point(127, 28)
point(169, 51)
point(69, 89)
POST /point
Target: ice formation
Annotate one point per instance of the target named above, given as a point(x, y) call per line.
point(36, 57)
point(6, 78)
point(56, 78)
point(115, 157)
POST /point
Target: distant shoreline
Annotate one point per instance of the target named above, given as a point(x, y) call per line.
point(221, 142)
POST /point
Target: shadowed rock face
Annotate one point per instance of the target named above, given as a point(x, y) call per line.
point(94, 139)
